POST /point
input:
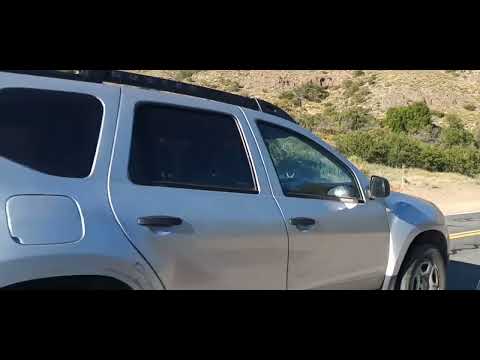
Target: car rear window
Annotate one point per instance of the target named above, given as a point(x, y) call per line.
point(188, 148)
point(53, 132)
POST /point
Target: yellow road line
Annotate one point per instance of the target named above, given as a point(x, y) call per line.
point(465, 234)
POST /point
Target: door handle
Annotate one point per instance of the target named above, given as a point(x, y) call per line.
point(302, 221)
point(163, 221)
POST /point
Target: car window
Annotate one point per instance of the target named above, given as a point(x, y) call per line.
point(303, 167)
point(54, 132)
point(188, 148)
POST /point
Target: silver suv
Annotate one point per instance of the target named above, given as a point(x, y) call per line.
point(163, 185)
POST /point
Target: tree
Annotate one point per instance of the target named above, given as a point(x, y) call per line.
point(455, 133)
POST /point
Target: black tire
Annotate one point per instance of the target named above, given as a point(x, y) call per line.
point(417, 259)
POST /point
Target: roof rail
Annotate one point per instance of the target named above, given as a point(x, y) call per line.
point(150, 82)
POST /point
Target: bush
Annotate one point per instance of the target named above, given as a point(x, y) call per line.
point(351, 87)
point(291, 97)
point(183, 75)
point(453, 72)
point(309, 122)
point(463, 160)
point(357, 73)
point(319, 122)
point(311, 92)
point(230, 85)
point(353, 119)
point(409, 119)
point(355, 90)
point(469, 107)
point(429, 134)
point(396, 149)
point(438, 114)
point(308, 91)
point(455, 133)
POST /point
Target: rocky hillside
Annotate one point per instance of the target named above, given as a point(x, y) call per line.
point(320, 95)
point(450, 92)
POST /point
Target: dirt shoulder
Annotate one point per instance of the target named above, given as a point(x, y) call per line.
point(452, 193)
point(451, 199)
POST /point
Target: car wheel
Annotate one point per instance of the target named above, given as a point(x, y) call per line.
point(424, 268)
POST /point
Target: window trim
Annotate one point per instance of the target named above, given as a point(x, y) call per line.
point(329, 155)
point(189, 186)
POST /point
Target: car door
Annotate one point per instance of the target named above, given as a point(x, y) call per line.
point(338, 238)
point(187, 189)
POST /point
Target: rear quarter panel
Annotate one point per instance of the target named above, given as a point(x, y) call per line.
point(103, 248)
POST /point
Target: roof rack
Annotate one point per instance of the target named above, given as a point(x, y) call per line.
point(150, 82)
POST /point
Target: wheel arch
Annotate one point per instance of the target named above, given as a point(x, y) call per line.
point(403, 239)
point(71, 282)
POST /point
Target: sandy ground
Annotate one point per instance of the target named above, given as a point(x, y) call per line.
point(452, 193)
point(451, 199)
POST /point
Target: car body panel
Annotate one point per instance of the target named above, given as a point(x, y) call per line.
point(409, 217)
point(103, 249)
point(348, 245)
point(227, 240)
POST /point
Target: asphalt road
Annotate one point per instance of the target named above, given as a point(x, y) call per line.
point(464, 269)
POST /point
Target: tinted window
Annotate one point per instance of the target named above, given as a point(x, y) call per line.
point(50, 131)
point(188, 148)
point(304, 168)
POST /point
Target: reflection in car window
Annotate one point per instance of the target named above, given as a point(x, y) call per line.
point(303, 168)
point(188, 148)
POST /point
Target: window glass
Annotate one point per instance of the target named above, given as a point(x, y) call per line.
point(53, 132)
point(188, 148)
point(303, 167)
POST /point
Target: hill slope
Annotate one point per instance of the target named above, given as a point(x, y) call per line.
point(455, 92)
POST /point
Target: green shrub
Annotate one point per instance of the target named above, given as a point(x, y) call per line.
point(353, 119)
point(429, 134)
point(291, 97)
point(438, 114)
point(354, 89)
point(311, 92)
point(309, 122)
point(350, 87)
point(308, 91)
point(453, 72)
point(319, 122)
point(455, 133)
point(469, 107)
point(409, 119)
point(230, 85)
point(186, 75)
point(357, 73)
point(288, 95)
point(398, 149)
point(463, 160)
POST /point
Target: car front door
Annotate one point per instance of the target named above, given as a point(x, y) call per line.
point(338, 238)
point(191, 194)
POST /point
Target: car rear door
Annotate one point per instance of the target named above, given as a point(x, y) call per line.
point(190, 192)
point(338, 238)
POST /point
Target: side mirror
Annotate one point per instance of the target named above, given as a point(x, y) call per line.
point(379, 187)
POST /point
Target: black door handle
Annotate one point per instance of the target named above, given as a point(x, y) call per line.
point(302, 221)
point(165, 221)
